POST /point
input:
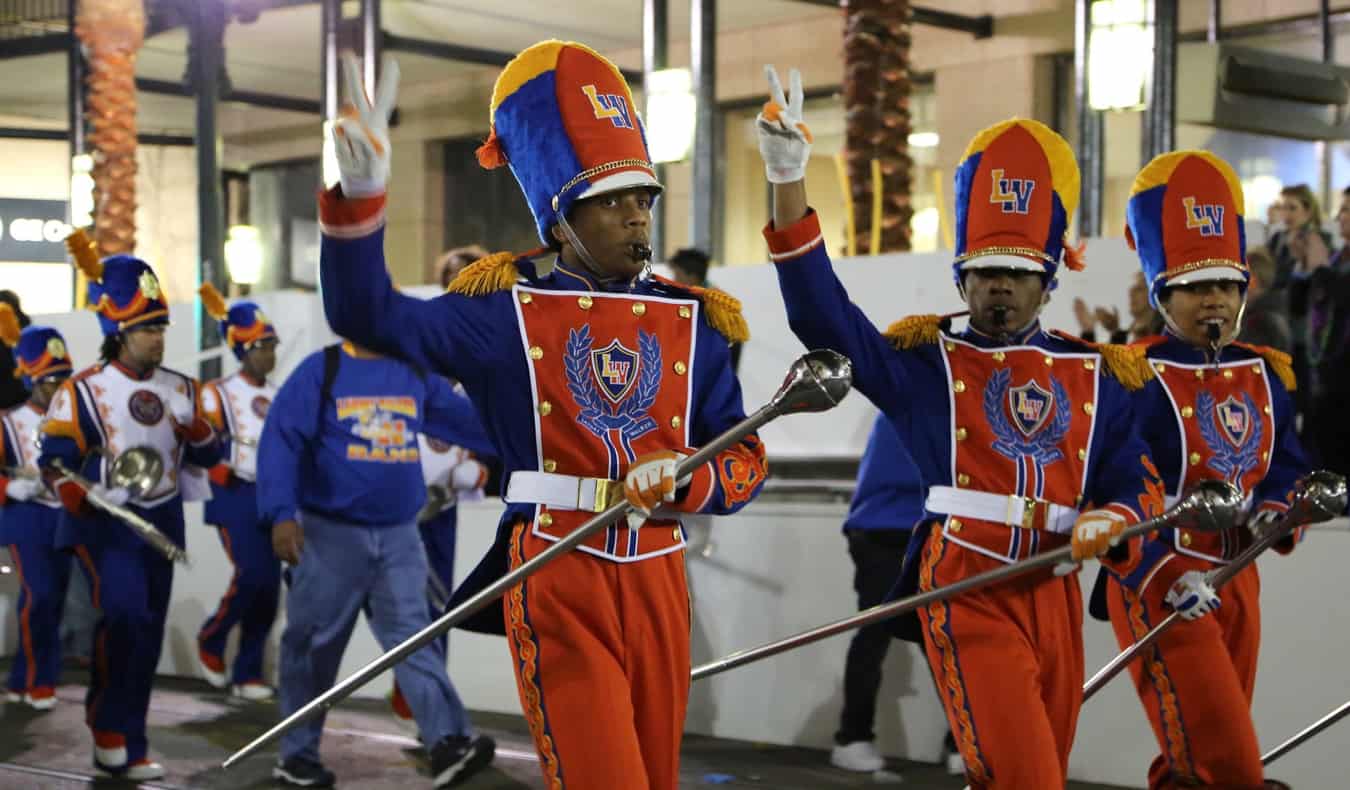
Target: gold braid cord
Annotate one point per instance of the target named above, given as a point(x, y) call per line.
point(111, 32)
point(877, 122)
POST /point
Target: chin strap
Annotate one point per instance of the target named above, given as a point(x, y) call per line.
point(588, 261)
point(1216, 344)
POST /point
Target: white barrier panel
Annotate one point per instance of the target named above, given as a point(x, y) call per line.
point(777, 569)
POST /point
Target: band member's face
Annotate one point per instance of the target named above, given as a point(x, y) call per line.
point(616, 229)
point(261, 358)
point(145, 346)
point(1194, 307)
point(1003, 301)
point(44, 390)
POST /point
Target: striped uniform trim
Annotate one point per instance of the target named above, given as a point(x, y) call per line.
point(795, 240)
point(349, 218)
point(939, 630)
point(527, 670)
point(1174, 729)
point(25, 622)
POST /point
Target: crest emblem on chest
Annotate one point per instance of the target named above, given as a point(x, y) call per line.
point(614, 387)
point(145, 407)
point(1027, 420)
point(260, 404)
point(1030, 405)
point(1235, 419)
point(1232, 430)
point(616, 369)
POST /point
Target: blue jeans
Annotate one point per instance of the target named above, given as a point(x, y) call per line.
point(343, 569)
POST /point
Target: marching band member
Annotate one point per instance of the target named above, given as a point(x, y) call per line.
point(127, 400)
point(31, 513)
point(593, 380)
point(236, 405)
point(1024, 437)
point(1216, 410)
point(340, 480)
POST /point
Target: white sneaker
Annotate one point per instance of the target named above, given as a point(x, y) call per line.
point(956, 766)
point(145, 770)
point(13, 696)
point(860, 756)
point(217, 677)
point(40, 701)
point(253, 692)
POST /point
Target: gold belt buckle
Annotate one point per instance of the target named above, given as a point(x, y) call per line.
point(607, 494)
point(1028, 511)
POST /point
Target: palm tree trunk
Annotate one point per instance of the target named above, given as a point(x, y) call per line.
point(111, 32)
point(877, 121)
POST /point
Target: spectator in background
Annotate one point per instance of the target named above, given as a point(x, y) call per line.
point(1324, 298)
point(12, 391)
point(1144, 320)
point(690, 267)
point(1264, 323)
point(1301, 245)
point(453, 261)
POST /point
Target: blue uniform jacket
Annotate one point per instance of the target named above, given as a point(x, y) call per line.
point(355, 459)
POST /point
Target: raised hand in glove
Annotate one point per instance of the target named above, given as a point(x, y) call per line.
point(22, 489)
point(361, 136)
point(784, 139)
point(1192, 596)
point(1095, 532)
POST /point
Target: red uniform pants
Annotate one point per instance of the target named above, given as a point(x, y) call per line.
point(601, 653)
point(1009, 666)
point(1196, 684)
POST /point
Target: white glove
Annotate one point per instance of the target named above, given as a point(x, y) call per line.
point(1095, 532)
point(361, 138)
point(1261, 523)
point(22, 489)
point(113, 496)
point(468, 475)
point(1192, 596)
point(784, 140)
point(651, 481)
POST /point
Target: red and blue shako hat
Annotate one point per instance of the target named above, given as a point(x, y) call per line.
point(242, 324)
point(1016, 187)
point(40, 352)
point(123, 289)
point(1184, 218)
point(563, 118)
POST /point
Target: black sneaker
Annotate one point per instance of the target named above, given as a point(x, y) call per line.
point(456, 758)
point(300, 772)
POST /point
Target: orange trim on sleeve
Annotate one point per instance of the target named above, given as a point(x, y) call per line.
point(795, 240)
point(349, 218)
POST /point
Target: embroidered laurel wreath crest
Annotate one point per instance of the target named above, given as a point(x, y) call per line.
point(1229, 461)
point(1043, 445)
point(628, 416)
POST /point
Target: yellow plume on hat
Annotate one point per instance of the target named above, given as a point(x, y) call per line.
point(85, 252)
point(213, 302)
point(9, 325)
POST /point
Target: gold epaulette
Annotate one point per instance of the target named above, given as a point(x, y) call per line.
point(487, 275)
point(1280, 363)
point(724, 313)
point(1127, 364)
point(914, 330)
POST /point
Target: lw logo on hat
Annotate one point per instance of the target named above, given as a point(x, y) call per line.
point(1206, 217)
point(1013, 193)
point(609, 105)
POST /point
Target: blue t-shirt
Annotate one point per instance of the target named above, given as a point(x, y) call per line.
point(889, 494)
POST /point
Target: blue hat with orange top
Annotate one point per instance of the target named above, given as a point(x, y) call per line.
point(242, 324)
point(1016, 187)
point(39, 351)
point(1184, 218)
point(123, 289)
point(563, 118)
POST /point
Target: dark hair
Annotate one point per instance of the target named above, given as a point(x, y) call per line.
point(111, 348)
point(12, 299)
point(693, 261)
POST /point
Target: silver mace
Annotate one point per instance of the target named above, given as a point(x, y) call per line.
point(1305, 734)
point(816, 382)
point(143, 529)
point(1321, 496)
point(1208, 508)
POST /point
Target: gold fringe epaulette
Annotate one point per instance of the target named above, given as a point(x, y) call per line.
point(724, 313)
point(914, 330)
point(1127, 364)
point(1280, 363)
point(496, 272)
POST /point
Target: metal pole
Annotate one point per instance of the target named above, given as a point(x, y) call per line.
point(1160, 114)
point(703, 58)
point(1089, 126)
point(655, 56)
point(330, 12)
point(75, 121)
point(1215, 30)
point(206, 73)
point(1328, 39)
point(1308, 732)
point(371, 41)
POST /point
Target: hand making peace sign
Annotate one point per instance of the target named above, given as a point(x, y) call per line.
point(361, 135)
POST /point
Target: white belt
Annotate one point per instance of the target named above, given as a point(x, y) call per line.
point(1012, 511)
point(563, 492)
